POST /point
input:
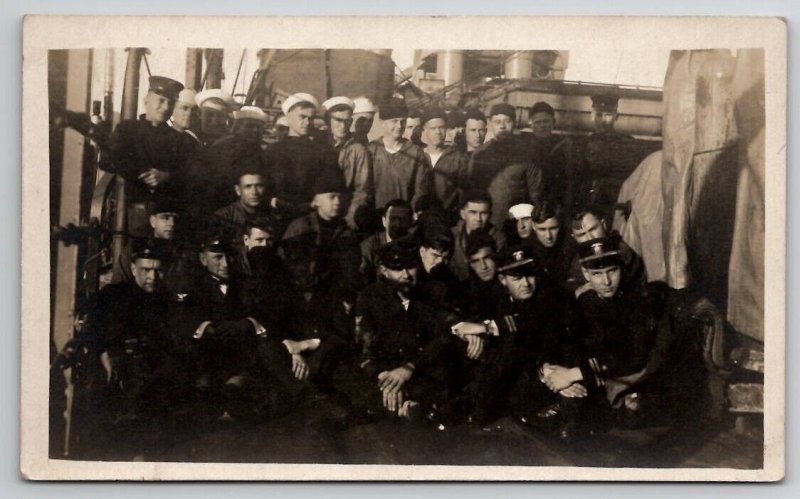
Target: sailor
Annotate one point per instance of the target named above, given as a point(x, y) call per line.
point(215, 107)
point(294, 163)
point(588, 223)
point(413, 131)
point(184, 116)
point(607, 157)
point(476, 207)
point(627, 357)
point(400, 340)
point(400, 168)
point(474, 130)
point(553, 154)
point(363, 117)
point(320, 250)
point(148, 153)
point(175, 250)
point(548, 244)
point(216, 167)
point(396, 219)
point(354, 160)
point(281, 128)
point(483, 289)
point(149, 376)
point(503, 167)
point(519, 227)
point(528, 326)
point(250, 189)
point(448, 165)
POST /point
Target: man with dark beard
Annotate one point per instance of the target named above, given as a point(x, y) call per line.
point(400, 340)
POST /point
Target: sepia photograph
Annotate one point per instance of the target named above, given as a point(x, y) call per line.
point(312, 249)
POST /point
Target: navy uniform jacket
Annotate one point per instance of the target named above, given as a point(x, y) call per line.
point(137, 145)
point(148, 365)
point(543, 328)
point(624, 334)
point(293, 165)
point(227, 346)
point(390, 336)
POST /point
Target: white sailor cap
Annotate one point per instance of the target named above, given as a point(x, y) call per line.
point(212, 94)
point(282, 121)
point(522, 210)
point(363, 105)
point(338, 101)
point(250, 113)
point(296, 99)
point(188, 96)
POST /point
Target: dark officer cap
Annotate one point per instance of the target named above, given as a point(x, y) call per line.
point(605, 102)
point(433, 113)
point(165, 205)
point(599, 253)
point(399, 254)
point(215, 239)
point(149, 249)
point(328, 180)
point(516, 260)
point(165, 87)
point(394, 108)
point(503, 108)
point(474, 114)
point(543, 107)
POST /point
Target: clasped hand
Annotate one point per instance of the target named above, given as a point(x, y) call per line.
point(563, 380)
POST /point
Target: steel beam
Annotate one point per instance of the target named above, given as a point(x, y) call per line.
point(79, 79)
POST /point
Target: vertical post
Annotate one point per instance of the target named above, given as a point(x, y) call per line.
point(79, 79)
point(130, 101)
point(194, 68)
point(213, 68)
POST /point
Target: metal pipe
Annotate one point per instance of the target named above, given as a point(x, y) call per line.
point(130, 101)
point(519, 65)
point(450, 66)
point(108, 88)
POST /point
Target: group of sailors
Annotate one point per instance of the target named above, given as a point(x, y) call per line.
point(445, 279)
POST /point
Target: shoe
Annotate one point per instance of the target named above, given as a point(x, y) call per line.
point(547, 417)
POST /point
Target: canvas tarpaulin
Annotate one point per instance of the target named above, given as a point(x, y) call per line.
point(711, 185)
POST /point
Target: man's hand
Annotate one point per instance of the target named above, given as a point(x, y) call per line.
point(154, 177)
point(294, 347)
point(558, 377)
point(463, 329)
point(395, 379)
point(299, 367)
point(297, 347)
point(474, 346)
point(575, 390)
point(393, 400)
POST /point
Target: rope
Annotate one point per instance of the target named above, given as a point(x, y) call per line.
point(147, 65)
